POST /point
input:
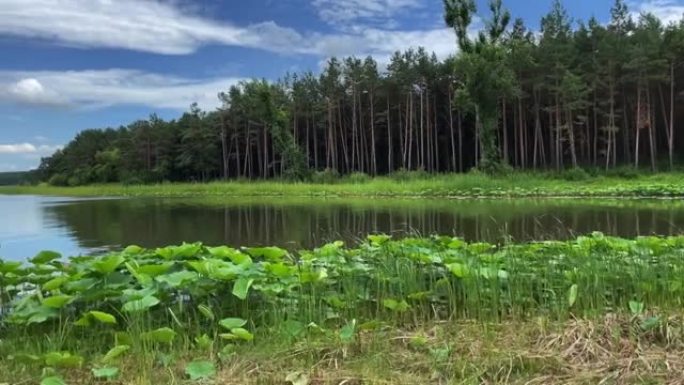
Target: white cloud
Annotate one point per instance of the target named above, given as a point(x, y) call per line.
point(100, 88)
point(668, 11)
point(28, 148)
point(31, 91)
point(164, 28)
point(141, 25)
point(29, 88)
point(341, 12)
point(21, 148)
point(440, 41)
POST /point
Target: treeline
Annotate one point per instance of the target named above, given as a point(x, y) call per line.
point(579, 94)
point(15, 178)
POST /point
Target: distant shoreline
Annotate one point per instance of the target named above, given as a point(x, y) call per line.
point(516, 185)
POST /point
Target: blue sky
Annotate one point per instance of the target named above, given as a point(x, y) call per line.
point(69, 65)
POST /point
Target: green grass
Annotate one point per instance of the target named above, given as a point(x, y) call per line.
point(411, 311)
point(517, 184)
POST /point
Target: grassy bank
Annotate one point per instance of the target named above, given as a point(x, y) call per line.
point(456, 185)
point(608, 350)
point(412, 311)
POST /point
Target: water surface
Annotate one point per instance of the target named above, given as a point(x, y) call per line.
point(77, 226)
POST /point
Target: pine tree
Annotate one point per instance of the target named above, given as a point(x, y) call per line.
point(487, 77)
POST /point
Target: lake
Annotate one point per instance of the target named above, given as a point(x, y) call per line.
point(79, 226)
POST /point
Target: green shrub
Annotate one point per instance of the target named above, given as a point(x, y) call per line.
point(132, 181)
point(59, 180)
point(327, 176)
point(140, 178)
point(574, 174)
point(74, 181)
point(625, 172)
point(358, 178)
point(404, 175)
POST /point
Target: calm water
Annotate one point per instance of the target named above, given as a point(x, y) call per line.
point(30, 224)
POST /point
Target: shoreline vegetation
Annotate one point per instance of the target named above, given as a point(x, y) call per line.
point(595, 309)
point(473, 185)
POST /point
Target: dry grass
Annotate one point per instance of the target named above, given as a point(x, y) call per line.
point(610, 350)
point(617, 351)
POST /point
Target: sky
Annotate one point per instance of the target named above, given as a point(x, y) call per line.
point(71, 65)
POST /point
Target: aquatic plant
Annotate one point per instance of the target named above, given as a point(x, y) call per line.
point(147, 303)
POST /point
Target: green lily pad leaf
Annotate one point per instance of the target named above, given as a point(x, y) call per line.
point(154, 270)
point(115, 353)
point(81, 285)
point(241, 259)
point(44, 257)
point(456, 244)
point(103, 317)
point(241, 287)
point(178, 279)
point(63, 360)
point(636, 307)
point(243, 334)
point(378, 240)
point(651, 323)
point(83, 321)
point(204, 341)
point(109, 264)
point(133, 250)
point(280, 270)
point(53, 380)
point(186, 250)
point(140, 305)
point(57, 301)
point(97, 316)
point(55, 283)
point(458, 269)
point(200, 370)
point(162, 335)
point(313, 275)
point(225, 252)
point(398, 306)
point(106, 373)
point(232, 323)
point(228, 336)
point(9, 267)
point(42, 314)
point(347, 332)
point(133, 294)
point(221, 251)
point(206, 267)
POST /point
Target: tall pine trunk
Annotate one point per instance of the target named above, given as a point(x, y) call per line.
point(670, 137)
point(451, 131)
